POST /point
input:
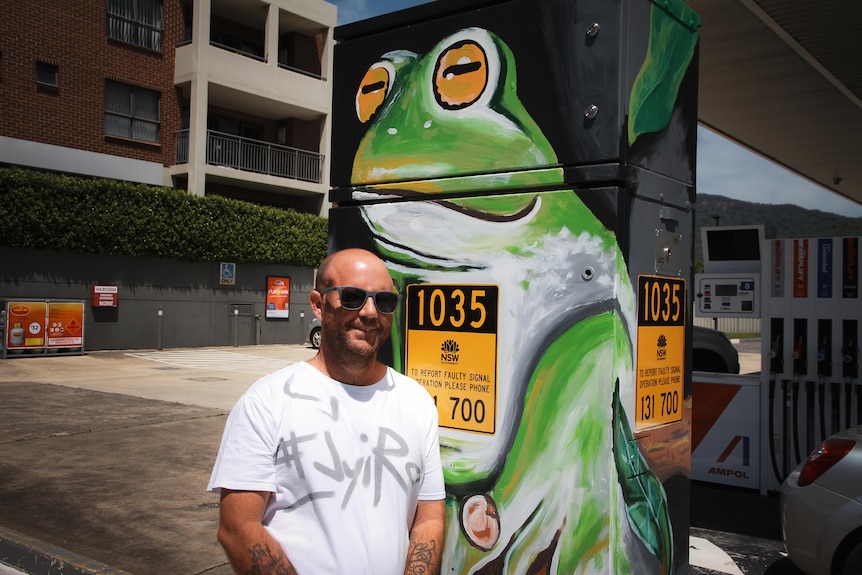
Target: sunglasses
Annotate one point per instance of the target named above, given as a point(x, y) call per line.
point(354, 298)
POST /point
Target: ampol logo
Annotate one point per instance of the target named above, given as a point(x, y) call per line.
point(746, 458)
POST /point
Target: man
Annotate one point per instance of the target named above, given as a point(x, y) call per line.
point(333, 465)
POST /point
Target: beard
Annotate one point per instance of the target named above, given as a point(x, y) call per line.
point(351, 347)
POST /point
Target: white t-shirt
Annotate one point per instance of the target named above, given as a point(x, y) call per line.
point(346, 465)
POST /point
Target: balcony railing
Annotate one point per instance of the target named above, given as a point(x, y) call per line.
point(239, 51)
point(259, 58)
point(256, 156)
point(301, 71)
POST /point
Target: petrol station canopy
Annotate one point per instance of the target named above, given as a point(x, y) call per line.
point(783, 78)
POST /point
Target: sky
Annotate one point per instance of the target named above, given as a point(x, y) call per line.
point(723, 167)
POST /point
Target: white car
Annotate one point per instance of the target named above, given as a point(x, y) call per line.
point(314, 333)
point(821, 508)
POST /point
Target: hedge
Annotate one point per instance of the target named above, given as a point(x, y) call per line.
point(40, 210)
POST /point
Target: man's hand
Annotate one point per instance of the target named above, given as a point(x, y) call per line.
point(426, 539)
point(248, 545)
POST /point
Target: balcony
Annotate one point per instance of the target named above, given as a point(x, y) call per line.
point(235, 152)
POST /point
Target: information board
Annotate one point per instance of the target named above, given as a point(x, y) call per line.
point(661, 351)
point(35, 326)
point(451, 342)
point(65, 327)
point(25, 324)
point(277, 297)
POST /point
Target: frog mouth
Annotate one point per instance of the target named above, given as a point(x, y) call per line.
point(451, 204)
point(488, 216)
point(420, 235)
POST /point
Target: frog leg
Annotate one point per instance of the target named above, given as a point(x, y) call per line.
point(558, 499)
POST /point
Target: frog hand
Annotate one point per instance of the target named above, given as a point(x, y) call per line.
point(541, 561)
point(643, 494)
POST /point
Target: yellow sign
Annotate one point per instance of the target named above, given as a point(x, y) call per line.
point(661, 351)
point(65, 324)
point(451, 342)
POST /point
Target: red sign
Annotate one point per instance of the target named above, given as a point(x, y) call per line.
point(104, 296)
point(25, 324)
point(800, 268)
point(65, 324)
point(277, 297)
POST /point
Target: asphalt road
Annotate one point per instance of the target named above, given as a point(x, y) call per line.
point(80, 435)
point(742, 523)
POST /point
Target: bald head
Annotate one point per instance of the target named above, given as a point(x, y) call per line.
point(351, 337)
point(340, 267)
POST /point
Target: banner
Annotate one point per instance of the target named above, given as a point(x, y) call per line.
point(25, 324)
point(39, 325)
point(277, 297)
point(65, 326)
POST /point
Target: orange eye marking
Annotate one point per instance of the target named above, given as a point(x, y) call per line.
point(461, 75)
point(372, 92)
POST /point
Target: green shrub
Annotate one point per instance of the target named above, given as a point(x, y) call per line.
point(40, 210)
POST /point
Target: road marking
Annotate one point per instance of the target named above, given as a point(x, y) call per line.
point(704, 553)
point(216, 360)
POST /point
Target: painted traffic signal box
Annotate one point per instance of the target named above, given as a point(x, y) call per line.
point(526, 171)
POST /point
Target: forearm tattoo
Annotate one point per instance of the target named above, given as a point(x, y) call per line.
point(265, 563)
point(421, 558)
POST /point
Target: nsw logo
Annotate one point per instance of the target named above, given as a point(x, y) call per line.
point(661, 347)
point(449, 351)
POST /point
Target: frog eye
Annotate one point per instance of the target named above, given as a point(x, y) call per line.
point(373, 89)
point(461, 75)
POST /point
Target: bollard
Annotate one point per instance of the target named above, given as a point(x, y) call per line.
point(257, 329)
point(301, 327)
point(159, 329)
point(235, 326)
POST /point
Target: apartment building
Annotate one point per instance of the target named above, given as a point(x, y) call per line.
point(217, 97)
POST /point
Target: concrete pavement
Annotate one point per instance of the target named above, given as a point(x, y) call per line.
point(104, 458)
point(108, 454)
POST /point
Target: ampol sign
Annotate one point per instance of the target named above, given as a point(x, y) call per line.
point(725, 434)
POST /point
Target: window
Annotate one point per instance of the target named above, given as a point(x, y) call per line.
point(47, 74)
point(137, 22)
point(131, 112)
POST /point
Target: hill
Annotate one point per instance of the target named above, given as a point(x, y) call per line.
point(780, 220)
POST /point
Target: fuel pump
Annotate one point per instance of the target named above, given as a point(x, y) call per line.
point(850, 363)
point(792, 404)
point(849, 350)
point(811, 384)
point(776, 368)
point(824, 372)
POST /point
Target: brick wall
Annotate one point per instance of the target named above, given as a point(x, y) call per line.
point(72, 35)
point(303, 52)
point(302, 134)
point(236, 30)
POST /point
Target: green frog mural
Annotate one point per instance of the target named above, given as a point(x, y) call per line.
point(560, 486)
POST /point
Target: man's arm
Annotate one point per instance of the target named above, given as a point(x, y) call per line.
point(248, 545)
point(426, 539)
